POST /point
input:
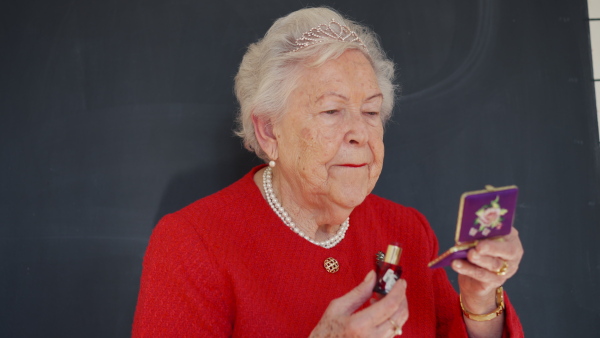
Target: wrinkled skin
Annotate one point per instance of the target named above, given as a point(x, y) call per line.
point(329, 145)
point(329, 151)
point(478, 280)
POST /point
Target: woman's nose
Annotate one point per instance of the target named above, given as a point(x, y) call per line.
point(356, 133)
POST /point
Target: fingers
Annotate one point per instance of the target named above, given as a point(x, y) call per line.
point(401, 315)
point(499, 256)
point(508, 248)
point(377, 319)
point(340, 318)
point(489, 265)
point(496, 265)
point(348, 303)
point(393, 325)
point(489, 279)
point(380, 311)
point(388, 329)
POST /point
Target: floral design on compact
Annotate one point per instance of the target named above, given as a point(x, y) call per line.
point(489, 217)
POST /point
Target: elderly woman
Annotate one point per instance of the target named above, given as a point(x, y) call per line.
point(248, 261)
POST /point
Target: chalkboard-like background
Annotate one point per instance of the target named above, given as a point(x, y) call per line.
point(114, 113)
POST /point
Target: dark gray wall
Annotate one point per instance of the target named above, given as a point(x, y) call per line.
point(114, 113)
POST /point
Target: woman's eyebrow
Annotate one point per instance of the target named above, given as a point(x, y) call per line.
point(379, 95)
point(331, 94)
point(345, 98)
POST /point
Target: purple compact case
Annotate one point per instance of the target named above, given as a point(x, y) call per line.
point(482, 214)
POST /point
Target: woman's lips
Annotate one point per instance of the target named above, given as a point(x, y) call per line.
point(353, 165)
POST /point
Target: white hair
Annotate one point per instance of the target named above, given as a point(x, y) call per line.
point(269, 70)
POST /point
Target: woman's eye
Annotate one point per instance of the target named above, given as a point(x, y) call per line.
point(331, 112)
point(372, 113)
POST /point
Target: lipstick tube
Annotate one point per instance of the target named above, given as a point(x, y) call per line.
point(388, 271)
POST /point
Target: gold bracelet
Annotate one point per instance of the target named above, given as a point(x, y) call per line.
point(482, 318)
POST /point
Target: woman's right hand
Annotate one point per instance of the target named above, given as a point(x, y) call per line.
point(381, 319)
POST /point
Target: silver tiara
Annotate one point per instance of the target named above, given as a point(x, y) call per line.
point(332, 31)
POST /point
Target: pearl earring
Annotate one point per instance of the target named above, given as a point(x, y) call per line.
point(272, 164)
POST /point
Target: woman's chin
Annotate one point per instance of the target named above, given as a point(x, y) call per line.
point(350, 199)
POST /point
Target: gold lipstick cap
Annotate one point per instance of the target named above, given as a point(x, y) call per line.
point(392, 254)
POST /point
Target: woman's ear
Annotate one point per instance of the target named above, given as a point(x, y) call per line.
point(263, 129)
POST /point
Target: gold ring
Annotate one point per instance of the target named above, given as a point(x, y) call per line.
point(503, 269)
point(397, 329)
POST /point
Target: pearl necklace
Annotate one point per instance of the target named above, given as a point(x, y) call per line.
point(285, 217)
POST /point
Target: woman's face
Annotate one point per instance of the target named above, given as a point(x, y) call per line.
point(330, 140)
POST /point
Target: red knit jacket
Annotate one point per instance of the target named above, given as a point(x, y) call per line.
point(226, 265)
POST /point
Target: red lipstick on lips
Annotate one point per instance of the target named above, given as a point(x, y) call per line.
point(354, 165)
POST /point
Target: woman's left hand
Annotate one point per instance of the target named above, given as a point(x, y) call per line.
point(488, 266)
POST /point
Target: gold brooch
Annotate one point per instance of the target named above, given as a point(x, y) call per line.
point(331, 265)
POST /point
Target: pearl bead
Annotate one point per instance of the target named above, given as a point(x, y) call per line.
point(287, 220)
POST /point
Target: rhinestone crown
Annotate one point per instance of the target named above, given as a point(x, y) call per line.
point(332, 31)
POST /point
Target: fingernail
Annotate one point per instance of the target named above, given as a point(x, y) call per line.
point(457, 264)
point(369, 277)
point(476, 254)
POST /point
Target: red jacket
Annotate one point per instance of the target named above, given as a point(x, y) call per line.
point(226, 265)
